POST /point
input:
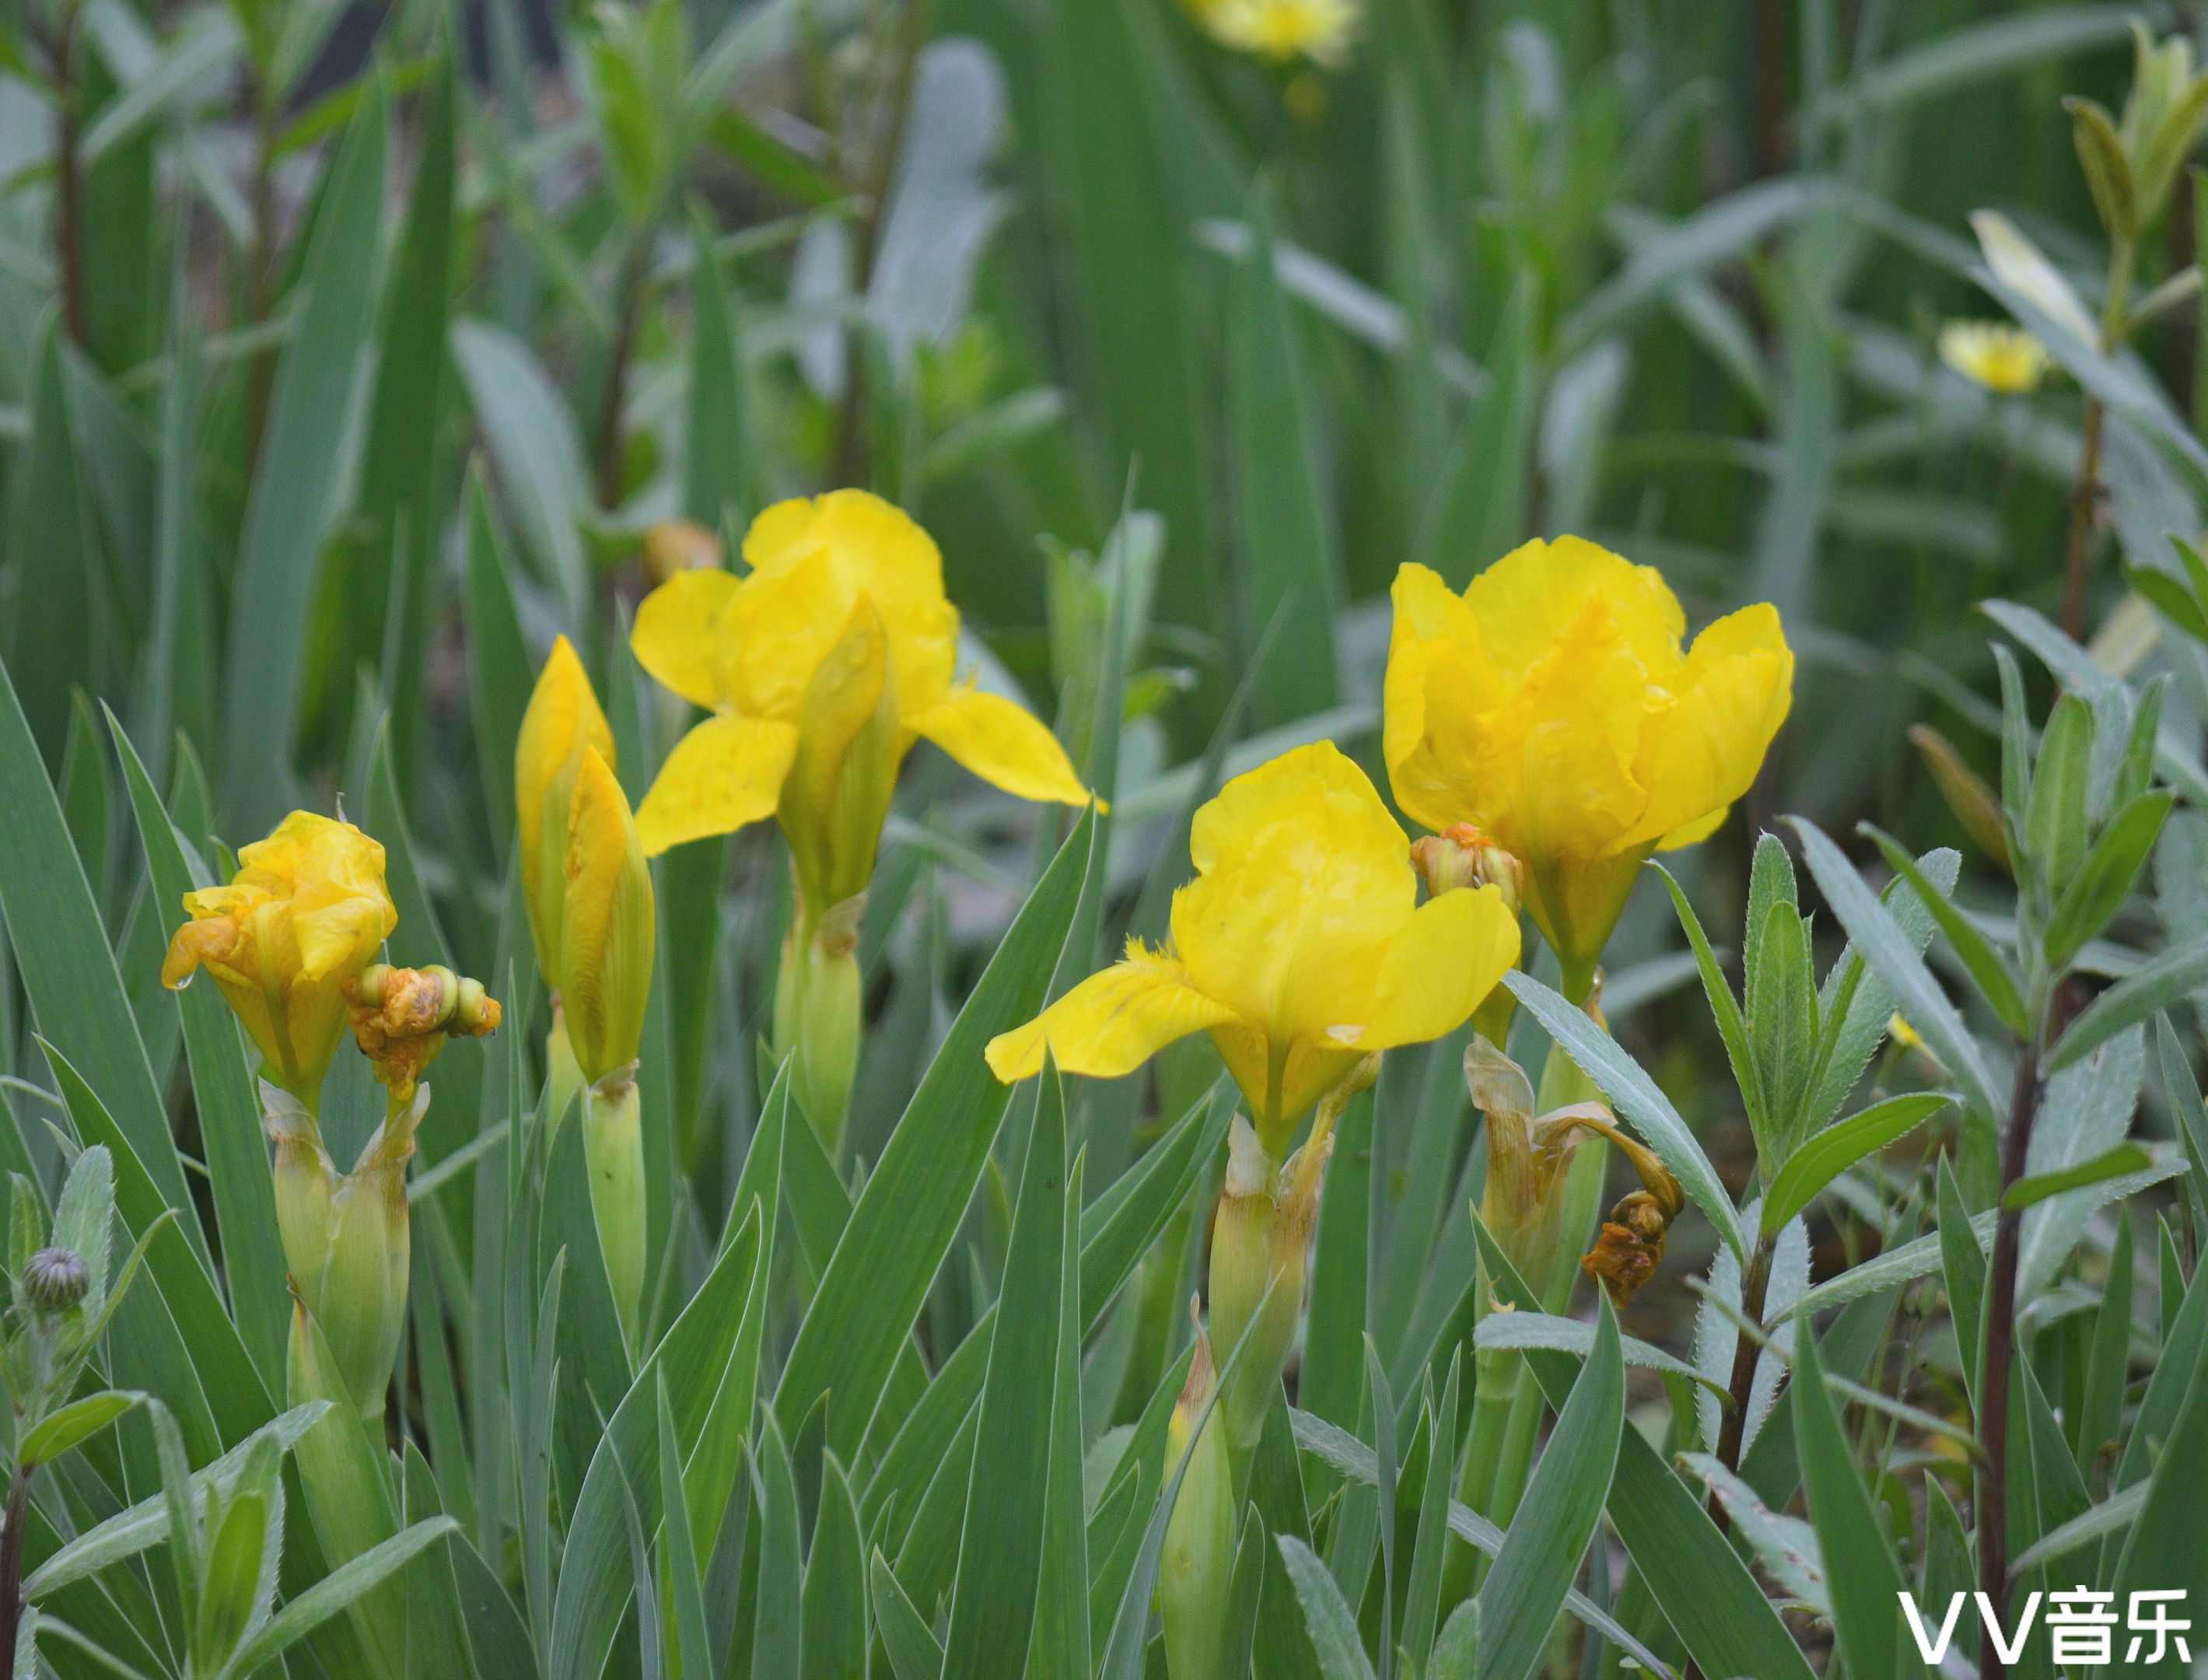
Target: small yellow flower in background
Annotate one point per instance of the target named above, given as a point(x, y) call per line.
point(841, 617)
point(2000, 358)
point(564, 720)
point(1300, 946)
point(1278, 30)
point(305, 914)
point(1552, 706)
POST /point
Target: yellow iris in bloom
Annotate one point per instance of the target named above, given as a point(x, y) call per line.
point(2002, 358)
point(822, 666)
point(1300, 946)
point(1552, 706)
point(304, 914)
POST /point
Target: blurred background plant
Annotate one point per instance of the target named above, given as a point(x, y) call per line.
point(350, 354)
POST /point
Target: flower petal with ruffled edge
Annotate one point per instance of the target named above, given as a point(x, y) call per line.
point(1112, 1023)
point(725, 773)
point(1702, 751)
point(869, 548)
point(1441, 964)
point(1003, 744)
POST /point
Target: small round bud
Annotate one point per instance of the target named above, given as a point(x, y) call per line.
point(1462, 856)
point(679, 545)
point(477, 1012)
point(55, 1280)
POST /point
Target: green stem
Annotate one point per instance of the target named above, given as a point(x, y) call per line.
point(2085, 495)
point(11, 1569)
point(1754, 1287)
point(629, 307)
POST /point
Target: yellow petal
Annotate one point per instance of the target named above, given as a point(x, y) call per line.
point(1531, 597)
point(338, 908)
point(1003, 744)
point(202, 941)
point(779, 627)
point(1112, 1023)
point(1440, 967)
point(1701, 748)
point(871, 548)
point(677, 632)
point(1694, 833)
point(1437, 685)
point(1302, 878)
point(725, 773)
point(1574, 730)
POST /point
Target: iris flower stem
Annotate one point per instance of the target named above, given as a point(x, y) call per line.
point(852, 441)
point(69, 188)
point(261, 264)
point(629, 306)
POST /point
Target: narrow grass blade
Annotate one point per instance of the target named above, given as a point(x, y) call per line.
point(1541, 1554)
point(910, 1208)
point(295, 490)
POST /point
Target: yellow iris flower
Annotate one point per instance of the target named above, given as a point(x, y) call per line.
point(1300, 946)
point(1553, 705)
point(305, 914)
point(2001, 358)
point(822, 666)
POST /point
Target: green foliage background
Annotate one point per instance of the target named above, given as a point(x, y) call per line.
point(346, 357)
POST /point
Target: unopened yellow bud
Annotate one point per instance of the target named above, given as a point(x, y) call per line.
point(1197, 1563)
point(608, 927)
point(302, 916)
point(678, 545)
point(562, 721)
point(1460, 856)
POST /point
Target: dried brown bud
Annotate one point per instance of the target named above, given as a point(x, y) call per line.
point(1630, 1247)
point(401, 1018)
